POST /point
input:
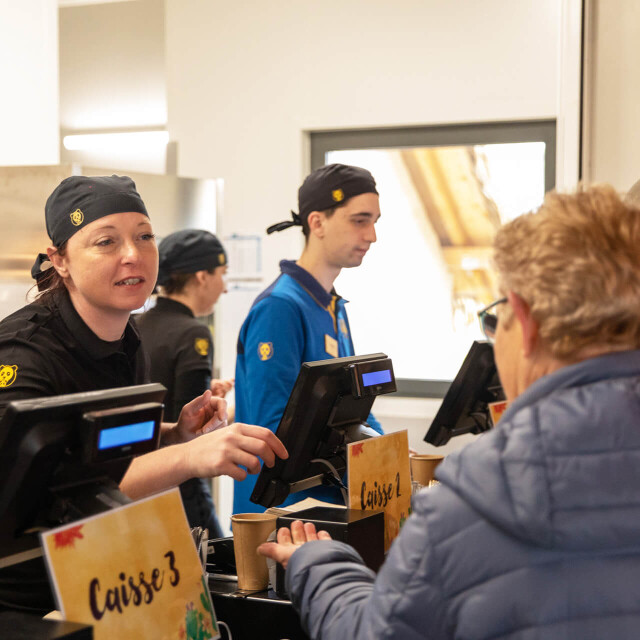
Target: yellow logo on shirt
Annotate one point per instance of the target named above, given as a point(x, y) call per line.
point(8, 374)
point(265, 350)
point(202, 346)
point(343, 326)
point(77, 217)
point(337, 195)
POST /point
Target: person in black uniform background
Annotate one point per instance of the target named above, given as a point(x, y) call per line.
point(191, 277)
point(78, 336)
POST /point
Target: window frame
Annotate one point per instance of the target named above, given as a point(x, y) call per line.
point(464, 134)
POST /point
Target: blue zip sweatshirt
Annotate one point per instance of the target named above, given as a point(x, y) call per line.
point(292, 321)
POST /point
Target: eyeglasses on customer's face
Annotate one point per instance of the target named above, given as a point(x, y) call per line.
point(489, 321)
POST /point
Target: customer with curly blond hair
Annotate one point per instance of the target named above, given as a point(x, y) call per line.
point(534, 529)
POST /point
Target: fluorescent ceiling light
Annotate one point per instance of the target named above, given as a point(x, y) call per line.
point(122, 141)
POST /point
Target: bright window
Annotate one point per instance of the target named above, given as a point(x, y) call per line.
point(420, 286)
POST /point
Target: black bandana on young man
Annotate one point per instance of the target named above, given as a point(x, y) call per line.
point(327, 187)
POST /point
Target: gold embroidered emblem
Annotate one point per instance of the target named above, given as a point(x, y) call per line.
point(8, 374)
point(221, 259)
point(77, 217)
point(202, 346)
point(343, 326)
point(265, 350)
point(337, 195)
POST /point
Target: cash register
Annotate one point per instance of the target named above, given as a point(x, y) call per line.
point(327, 409)
point(61, 459)
point(465, 406)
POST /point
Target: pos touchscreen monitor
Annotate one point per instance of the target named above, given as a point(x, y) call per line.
point(465, 407)
point(62, 458)
point(328, 408)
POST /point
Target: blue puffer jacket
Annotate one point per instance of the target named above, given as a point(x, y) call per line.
point(534, 531)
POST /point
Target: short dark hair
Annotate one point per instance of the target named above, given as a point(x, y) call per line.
point(305, 221)
point(177, 282)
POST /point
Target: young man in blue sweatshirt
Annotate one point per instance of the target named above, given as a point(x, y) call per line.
point(300, 318)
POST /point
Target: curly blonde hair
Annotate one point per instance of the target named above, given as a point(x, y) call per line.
point(576, 262)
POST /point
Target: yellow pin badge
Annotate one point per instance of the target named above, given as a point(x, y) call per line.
point(202, 346)
point(77, 217)
point(337, 195)
point(330, 345)
point(8, 374)
point(265, 350)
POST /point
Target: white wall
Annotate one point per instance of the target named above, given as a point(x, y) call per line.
point(112, 71)
point(29, 81)
point(112, 77)
point(256, 75)
point(613, 97)
point(247, 79)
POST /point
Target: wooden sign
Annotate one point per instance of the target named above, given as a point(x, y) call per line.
point(496, 409)
point(132, 572)
point(380, 480)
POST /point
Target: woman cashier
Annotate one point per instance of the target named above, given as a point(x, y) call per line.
point(77, 336)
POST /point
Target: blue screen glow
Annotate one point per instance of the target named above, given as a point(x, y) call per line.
point(127, 434)
point(376, 377)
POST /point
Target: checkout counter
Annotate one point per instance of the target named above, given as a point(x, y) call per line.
point(327, 410)
point(269, 614)
point(62, 458)
point(330, 398)
point(254, 615)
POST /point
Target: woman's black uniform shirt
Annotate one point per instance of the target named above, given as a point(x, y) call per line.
point(46, 349)
point(180, 351)
point(55, 352)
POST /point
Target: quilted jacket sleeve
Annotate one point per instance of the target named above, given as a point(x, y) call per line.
point(338, 597)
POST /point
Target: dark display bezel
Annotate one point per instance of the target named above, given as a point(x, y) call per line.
point(98, 421)
point(360, 390)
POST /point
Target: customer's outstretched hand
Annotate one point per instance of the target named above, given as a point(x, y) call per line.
point(290, 541)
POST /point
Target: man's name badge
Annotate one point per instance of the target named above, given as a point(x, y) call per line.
point(330, 345)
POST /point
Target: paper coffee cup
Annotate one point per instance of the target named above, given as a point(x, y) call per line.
point(423, 468)
point(250, 530)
